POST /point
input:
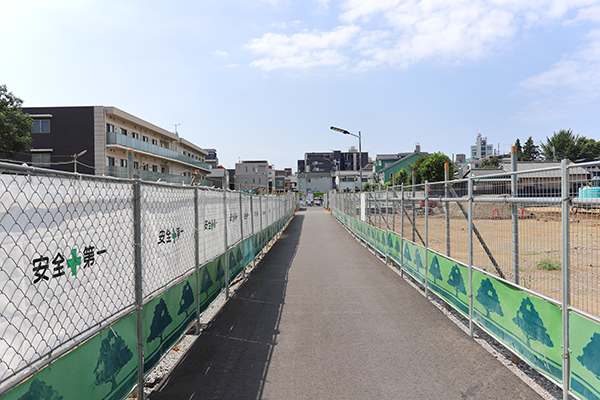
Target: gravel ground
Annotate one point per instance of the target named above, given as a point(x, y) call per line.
point(544, 387)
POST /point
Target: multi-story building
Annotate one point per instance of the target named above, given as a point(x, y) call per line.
point(333, 161)
point(252, 175)
point(481, 149)
point(211, 158)
point(96, 140)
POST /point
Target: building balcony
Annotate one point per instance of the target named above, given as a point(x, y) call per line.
point(126, 141)
point(121, 172)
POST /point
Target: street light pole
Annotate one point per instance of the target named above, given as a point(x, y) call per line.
point(359, 136)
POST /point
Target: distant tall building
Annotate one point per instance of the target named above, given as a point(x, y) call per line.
point(211, 158)
point(481, 149)
point(333, 161)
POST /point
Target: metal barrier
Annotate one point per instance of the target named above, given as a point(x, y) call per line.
point(103, 275)
point(516, 253)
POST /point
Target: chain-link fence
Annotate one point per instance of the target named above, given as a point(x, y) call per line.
point(81, 252)
point(534, 230)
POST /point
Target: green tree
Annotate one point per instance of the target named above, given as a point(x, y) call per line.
point(114, 355)
point(416, 169)
point(519, 150)
point(14, 125)
point(490, 162)
point(431, 168)
point(401, 177)
point(590, 150)
point(563, 144)
point(531, 152)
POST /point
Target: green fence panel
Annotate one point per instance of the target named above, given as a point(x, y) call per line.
point(248, 250)
point(212, 281)
point(395, 247)
point(449, 280)
point(584, 338)
point(530, 326)
point(103, 367)
point(380, 241)
point(166, 318)
point(414, 260)
point(236, 261)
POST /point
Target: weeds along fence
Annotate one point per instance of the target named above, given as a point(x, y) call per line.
point(516, 253)
point(101, 276)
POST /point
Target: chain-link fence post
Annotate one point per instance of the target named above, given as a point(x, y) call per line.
point(426, 237)
point(446, 195)
point(261, 225)
point(197, 248)
point(139, 294)
point(253, 233)
point(515, 215)
point(242, 233)
point(226, 245)
point(414, 216)
point(470, 218)
point(566, 215)
point(402, 230)
point(387, 225)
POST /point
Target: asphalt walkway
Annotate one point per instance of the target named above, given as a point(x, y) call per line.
point(322, 318)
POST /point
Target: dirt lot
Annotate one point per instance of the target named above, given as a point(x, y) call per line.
point(539, 246)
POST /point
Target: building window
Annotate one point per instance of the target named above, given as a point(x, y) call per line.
point(145, 138)
point(154, 168)
point(145, 167)
point(136, 165)
point(135, 135)
point(123, 162)
point(110, 161)
point(123, 131)
point(110, 128)
point(163, 170)
point(154, 142)
point(41, 126)
point(40, 158)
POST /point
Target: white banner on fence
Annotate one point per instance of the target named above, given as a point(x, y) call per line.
point(67, 262)
point(167, 235)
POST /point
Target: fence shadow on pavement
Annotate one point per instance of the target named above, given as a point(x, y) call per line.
point(231, 357)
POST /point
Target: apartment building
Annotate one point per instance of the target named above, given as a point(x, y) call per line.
point(96, 139)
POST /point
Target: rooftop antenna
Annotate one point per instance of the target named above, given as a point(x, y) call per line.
point(176, 125)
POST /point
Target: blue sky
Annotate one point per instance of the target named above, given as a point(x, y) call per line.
point(265, 79)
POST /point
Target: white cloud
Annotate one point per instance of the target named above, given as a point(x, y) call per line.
point(403, 32)
point(576, 77)
point(302, 50)
point(220, 53)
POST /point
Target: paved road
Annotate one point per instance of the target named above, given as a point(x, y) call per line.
point(322, 318)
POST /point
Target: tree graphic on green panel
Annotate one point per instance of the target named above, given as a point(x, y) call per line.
point(591, 355)
point(220, 270)
point(187, 299)
point(114, 355)
point(397, 246)
point(207, 281)
point(528, 319)
point(38, 390)
point(434, 270)
point(487, 296)
point(232, 262)
point(407, 256)
point(456, 280)
point(390, 241)
point(160, 321)
point(418, 261)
